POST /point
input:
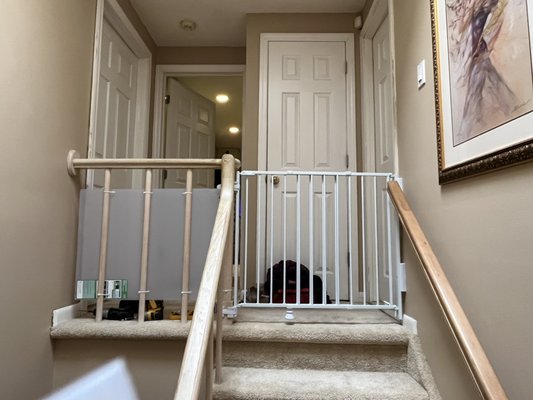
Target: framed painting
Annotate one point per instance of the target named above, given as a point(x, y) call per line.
point(482, 58)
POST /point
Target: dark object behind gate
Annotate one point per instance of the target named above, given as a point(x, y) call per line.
point(276, 274)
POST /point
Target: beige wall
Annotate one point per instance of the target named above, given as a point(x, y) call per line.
point(153, 364)
point(45, 78)
point(274, 23)
point(481, 230)
point(201, 55)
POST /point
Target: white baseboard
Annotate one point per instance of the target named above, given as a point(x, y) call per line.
point(65, 314)
point(410, 324)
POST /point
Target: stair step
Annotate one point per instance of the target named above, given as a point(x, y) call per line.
point(382, 334)
point(358, 347)
point(318, 356)
point(298, 384)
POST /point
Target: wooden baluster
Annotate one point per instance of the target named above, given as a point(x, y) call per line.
point(222, 297)
point(186, 248)
point(209, 367)
point(103, 246)
point(144, 251)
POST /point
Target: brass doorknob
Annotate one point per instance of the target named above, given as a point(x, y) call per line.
point(275, 180)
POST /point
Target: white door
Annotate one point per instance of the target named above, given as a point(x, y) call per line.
point(307, 131)
point(114, 135)
point(384, 149)
point(383, 106)
point(189, 133)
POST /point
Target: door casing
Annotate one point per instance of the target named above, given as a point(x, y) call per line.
point(113, 13)
point(162, 72)
point(379, 10)
point(376, 15)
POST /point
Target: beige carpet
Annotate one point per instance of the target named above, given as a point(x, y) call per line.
point(274, 384)
point(372, 358)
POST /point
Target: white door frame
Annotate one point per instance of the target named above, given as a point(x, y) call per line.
point(113, 13)
point(162, 72)
point(378, 12)
point(348, 38)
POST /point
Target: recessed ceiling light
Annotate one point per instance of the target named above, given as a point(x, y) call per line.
point(222, 98)
point(234, 130)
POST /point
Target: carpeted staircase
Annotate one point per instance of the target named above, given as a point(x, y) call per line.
point(370, 358)
point(322, 355)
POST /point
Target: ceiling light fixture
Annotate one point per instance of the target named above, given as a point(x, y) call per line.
point(234, 130)
point(188, 25)
point(222, 98)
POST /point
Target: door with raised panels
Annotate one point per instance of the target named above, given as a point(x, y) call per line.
point(189, 133)
point(307, 131)
point(114, 136)
point(384, 148)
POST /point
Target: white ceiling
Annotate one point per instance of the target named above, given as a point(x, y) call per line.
point(222, 22)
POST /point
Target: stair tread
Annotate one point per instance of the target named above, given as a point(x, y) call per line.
point(390, 334)
point(298, 384)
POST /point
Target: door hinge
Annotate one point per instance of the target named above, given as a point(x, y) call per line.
point(345, 67)
point(167, 99)
point(347, 161)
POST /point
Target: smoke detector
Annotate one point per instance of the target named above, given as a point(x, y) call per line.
point(188, 25)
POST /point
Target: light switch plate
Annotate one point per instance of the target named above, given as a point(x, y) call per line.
point(421, 73)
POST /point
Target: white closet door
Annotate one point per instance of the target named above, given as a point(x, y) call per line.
point(189, 133)
point(114, 136)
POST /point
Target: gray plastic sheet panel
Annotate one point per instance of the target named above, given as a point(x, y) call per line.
point(165, 257)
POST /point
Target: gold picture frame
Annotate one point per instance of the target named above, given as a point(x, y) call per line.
point(482, 59)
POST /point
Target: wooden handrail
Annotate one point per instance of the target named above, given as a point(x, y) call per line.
point(197, 343)
point(74, 162)
point(480, 367)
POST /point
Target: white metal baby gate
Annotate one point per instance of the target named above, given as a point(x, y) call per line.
point(307, 239)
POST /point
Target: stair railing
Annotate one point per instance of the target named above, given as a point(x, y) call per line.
point(217, 269)
point(478, 364)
